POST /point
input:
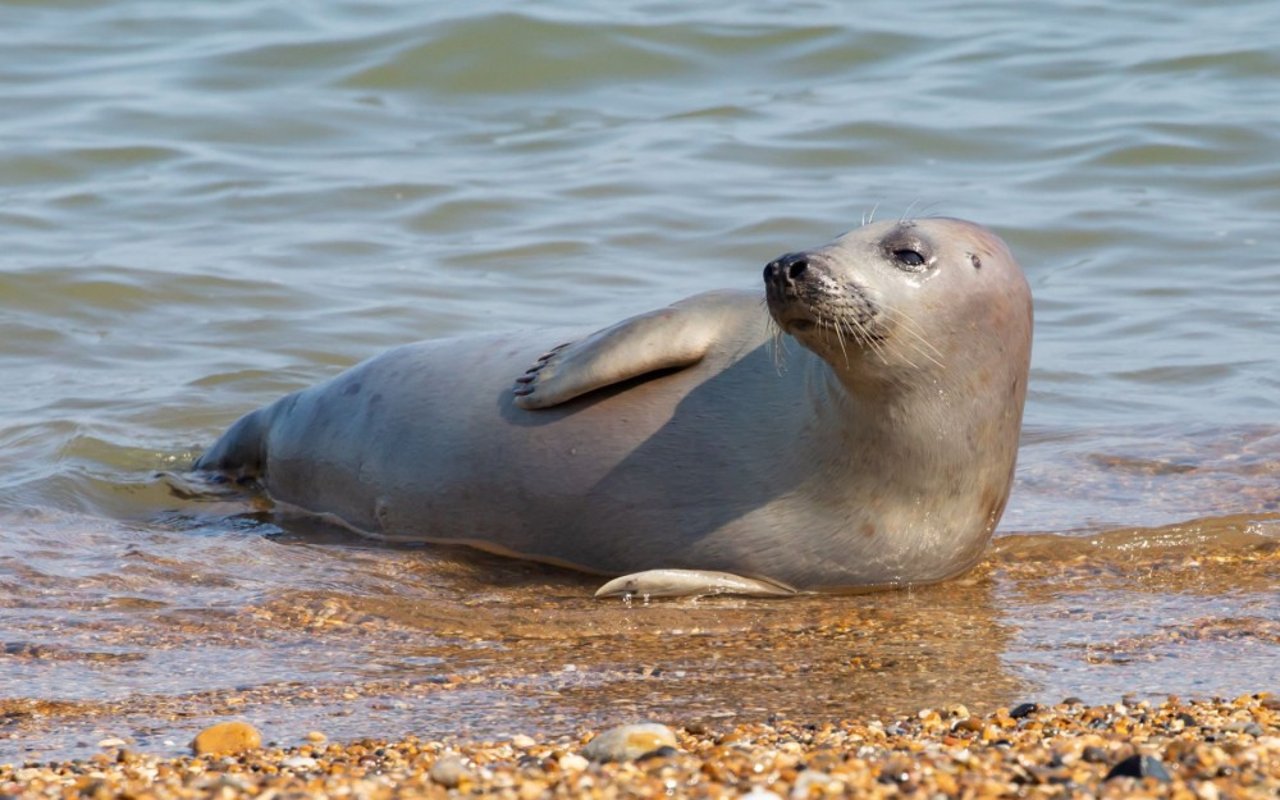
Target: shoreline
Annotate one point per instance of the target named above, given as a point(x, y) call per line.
point(1196, 749)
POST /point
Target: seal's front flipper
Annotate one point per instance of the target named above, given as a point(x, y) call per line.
point(669, 338)
point(691, 582)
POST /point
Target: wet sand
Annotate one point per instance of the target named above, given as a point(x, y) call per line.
point(523, 649)
point(525, 652)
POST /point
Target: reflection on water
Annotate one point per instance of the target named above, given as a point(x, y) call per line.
point(205, 206)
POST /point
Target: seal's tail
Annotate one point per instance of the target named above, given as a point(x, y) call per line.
point(240, 450)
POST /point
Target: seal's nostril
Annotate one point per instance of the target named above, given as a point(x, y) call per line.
point(787, 268)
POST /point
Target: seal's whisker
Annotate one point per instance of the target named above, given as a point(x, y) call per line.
point(921, 344)
point(839, 337)
point(903, 356)
point(911, 326)
point(877, 346)
point(917, 339)
point(912, 329)
point(777, 338)
point(913, 341)
point(778, 345)
point(855, 335)
point(859, 333)
point(906, 214)
point(926, 209)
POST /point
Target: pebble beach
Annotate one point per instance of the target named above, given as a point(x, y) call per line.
point(1183, 749)
point(836, 709)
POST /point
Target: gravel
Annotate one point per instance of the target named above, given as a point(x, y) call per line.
point(1064, 750)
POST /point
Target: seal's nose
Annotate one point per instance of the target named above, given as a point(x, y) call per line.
point(786, 269)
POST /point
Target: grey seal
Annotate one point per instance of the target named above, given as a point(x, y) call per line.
point(857, 430)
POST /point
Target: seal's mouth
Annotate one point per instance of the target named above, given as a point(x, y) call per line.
point(807, 298)
point(797, 319)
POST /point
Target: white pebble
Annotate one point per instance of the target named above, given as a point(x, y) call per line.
point(808, 780)
point(448, 771)
point(572, 762)
point(299, 762)
point(629, 742)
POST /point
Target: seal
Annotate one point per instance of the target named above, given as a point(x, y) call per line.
point(860, 433)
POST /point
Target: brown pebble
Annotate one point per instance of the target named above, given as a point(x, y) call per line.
point(226, 738)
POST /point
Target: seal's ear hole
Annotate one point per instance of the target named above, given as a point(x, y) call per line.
point(909, 258)
point(977, 262)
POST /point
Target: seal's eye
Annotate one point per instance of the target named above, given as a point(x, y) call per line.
point(909, 258)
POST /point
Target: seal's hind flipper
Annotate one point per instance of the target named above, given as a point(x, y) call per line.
point(239, 451)
point(691, 582)
point(669, 338)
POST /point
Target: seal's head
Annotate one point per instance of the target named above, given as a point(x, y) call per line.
point(926, 324)
point(891, 302)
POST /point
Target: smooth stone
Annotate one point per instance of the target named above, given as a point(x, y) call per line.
point(448, 771)
point(226, 738)
point(666, 751)
point(1093, 754)
point(629, 742)
point(1140, 767)
point(1023, 709)
point(572, 762)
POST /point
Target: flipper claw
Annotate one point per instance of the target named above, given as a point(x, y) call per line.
point(692, 582)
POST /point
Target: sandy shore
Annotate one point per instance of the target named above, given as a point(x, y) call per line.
point(1203, 749)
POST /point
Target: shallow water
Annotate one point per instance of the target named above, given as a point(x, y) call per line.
point(205, 207)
